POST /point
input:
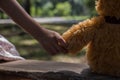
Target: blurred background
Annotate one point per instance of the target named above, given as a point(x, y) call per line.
point(57, 15)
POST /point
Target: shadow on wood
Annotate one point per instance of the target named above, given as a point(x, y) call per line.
point(48, 70)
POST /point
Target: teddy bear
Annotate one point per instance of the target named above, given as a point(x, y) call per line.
point(101, 35)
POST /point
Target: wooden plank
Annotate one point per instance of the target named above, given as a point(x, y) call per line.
point(40, 66)
point(49, 21)
point(48, 70)
point(34, 69)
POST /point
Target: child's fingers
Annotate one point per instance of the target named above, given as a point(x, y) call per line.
point(62, 44)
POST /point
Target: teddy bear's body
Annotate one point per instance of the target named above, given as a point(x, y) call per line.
point(102, 35)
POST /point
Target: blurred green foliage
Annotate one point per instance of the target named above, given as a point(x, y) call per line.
point(62, 10)
point(91, 6)
point(50, 8)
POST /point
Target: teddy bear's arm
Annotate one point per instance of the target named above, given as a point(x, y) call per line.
point(79, 35)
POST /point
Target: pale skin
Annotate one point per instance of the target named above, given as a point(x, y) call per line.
point(47, 38)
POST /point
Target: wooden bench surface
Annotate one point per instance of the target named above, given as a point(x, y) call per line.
point(35, 69)
point(40, 66)
point(48, 70)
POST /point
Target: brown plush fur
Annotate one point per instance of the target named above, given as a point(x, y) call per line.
point(103, 53)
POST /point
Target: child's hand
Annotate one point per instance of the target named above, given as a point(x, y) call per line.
point(52, 42)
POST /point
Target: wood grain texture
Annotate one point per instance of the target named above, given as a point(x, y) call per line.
point(48, 70)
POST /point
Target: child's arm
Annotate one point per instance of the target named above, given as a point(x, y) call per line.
point(49, 39)
point(79, 35)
